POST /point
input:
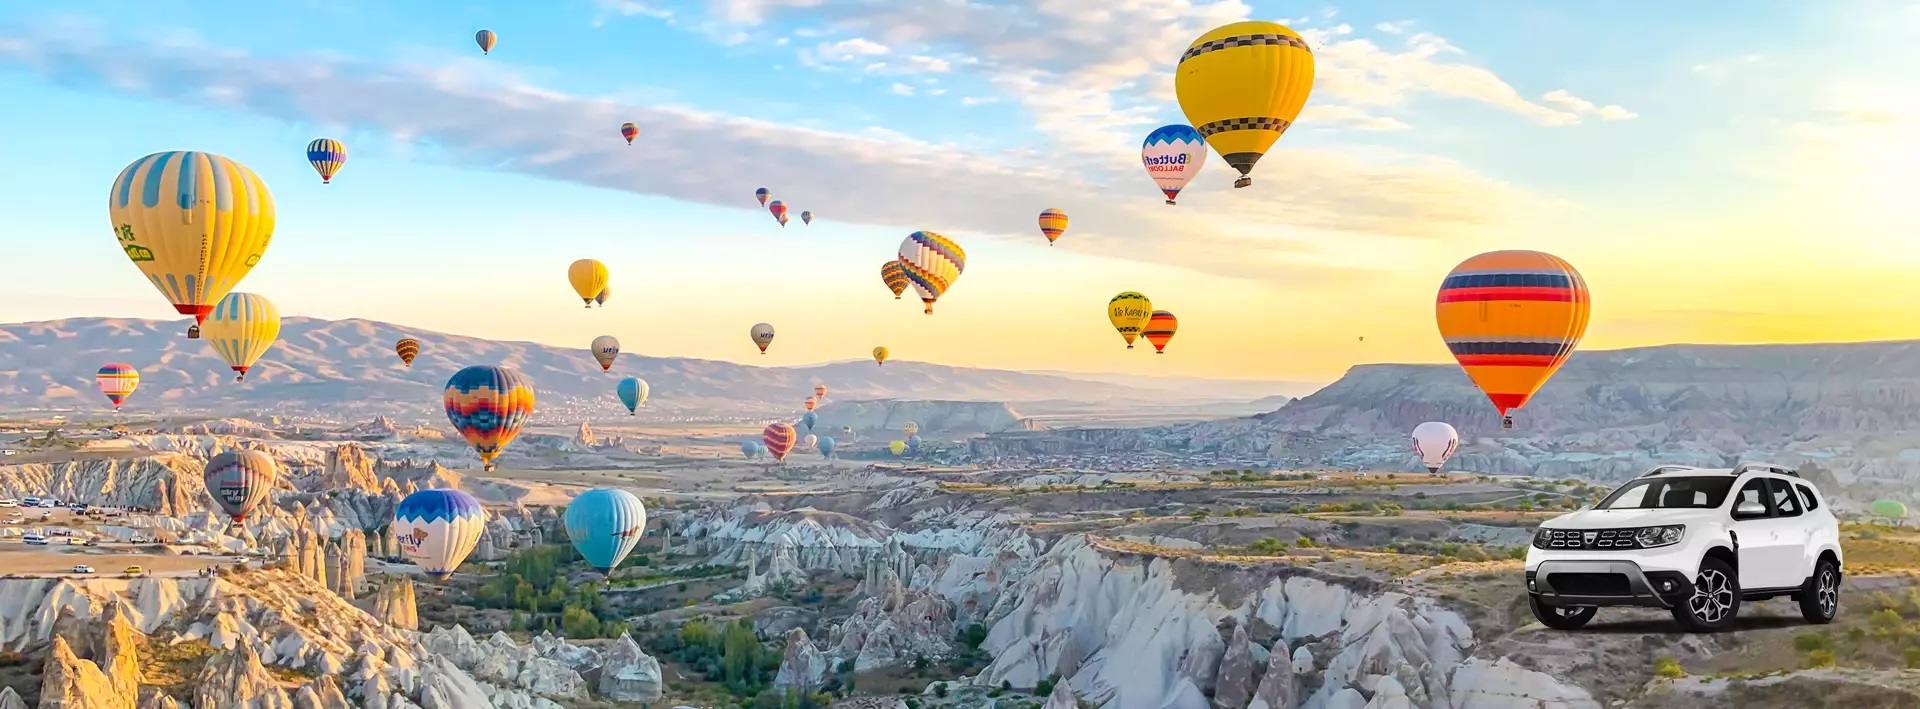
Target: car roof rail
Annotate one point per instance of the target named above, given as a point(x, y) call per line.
point(1765, 468)
point(1658, 469)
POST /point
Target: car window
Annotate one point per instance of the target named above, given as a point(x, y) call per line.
point(1667, 493)
point(1785, 503)
point(1754, 491)
point(1806, 493)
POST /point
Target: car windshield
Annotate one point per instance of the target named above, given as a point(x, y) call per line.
point(1693, 491)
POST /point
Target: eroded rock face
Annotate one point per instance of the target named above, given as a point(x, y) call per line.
point(237, 679)
point(68, 682)
point(395, 605)
point(629, 674)
point(893, 628)
point(803, 667)
point(10, 699)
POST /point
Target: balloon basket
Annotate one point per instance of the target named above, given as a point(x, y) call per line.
point(193, 332)
point(1242, 182)
point(1506, 422)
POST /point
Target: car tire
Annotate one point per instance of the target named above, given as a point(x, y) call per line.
point(1820, 601)
point(1715, 599)
point(1560, 617)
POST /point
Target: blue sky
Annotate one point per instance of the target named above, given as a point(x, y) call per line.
point(1435, 131)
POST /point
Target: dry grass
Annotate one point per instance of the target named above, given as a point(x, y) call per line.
point(1875, 550)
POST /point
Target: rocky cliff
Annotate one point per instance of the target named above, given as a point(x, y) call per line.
point(885, 419)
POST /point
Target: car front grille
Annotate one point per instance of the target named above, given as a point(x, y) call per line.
point(1597, 539)
point(1591, 584)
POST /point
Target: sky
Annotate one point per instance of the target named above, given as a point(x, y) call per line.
point(1719, 171)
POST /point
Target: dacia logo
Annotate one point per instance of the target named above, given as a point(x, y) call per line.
point(1590, 536)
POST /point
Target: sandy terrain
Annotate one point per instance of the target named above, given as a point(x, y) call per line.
point(57, 560)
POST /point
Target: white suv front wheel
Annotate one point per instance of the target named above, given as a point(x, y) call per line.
point(1715, 599)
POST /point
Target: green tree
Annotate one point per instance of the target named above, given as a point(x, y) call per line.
point(579, 623)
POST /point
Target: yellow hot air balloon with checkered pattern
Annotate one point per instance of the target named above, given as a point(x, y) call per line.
point(1241, 86)
point(194, 223)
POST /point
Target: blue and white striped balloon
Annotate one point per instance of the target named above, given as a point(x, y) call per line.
point(437, 529)
point(605, 525)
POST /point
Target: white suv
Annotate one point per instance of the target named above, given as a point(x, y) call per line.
point(1694, 541)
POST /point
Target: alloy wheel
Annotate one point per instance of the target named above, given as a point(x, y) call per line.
point(1712, 596)
point(1827, 589)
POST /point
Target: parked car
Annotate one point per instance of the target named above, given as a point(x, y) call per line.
point(82, 569)
point(34, 539)
point(9, 502)
point(49, 503)
point(134, 570)
point(1693, 541)
point(31, 501)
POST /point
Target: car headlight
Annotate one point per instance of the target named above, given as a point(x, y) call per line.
point(1659, 536)
point(1540, 538)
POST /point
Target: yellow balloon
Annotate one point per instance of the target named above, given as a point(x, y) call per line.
point(1241, 86)
point(880, 355)
point(588, 277)
point(242, 327)
point(194, 223)
point(897, 447)
point(1129, 313)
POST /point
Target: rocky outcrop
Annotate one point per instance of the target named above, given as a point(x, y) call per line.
point(394, 604)
point(163, 480)
point(349, 467)
point(802, 666)
point(629, 674)
point(1062, 698)
point(937, 419)
point(10, 699)
point(893, 628)
point(502, 662)
point(68, 682)
point(237, 679)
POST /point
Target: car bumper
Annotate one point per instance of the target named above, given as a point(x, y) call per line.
point(1606, 583)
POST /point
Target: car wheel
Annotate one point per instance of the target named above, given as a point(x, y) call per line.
point(1820, 602)
point(1560, 617)
point(1715, 600)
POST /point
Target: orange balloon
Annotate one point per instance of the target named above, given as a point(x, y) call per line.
point(1160, 328)
point(1512, 318)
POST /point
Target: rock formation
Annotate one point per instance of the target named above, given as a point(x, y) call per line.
point(803, 666)
point(937, 419)
point(1062, 698)
point(237, 679)
point(10, 699)
point(68, 682)
point(349, 467)
point(394, 604)
point(629, 674)
point(893, 628)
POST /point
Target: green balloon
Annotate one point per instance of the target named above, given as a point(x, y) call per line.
point(1889, 508)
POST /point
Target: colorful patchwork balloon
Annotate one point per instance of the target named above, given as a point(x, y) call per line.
point(327, 157)
point(488, 406)
point(894, 274)
point(933, 263)
point(777, 439)
point(117, 381)
point(240, 479)
point(1053, 223)
point(1159, 330)
point(1511, 318)
point(437, 529)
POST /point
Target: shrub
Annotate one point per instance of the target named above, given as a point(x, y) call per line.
point(1666, 666)
point(1810, 641)
point(1820, 658)
point(940, 690)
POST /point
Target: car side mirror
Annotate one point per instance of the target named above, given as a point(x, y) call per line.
point(1750, 509)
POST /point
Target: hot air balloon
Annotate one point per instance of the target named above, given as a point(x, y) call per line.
point(933, 263)
point(1512, 318)
point(629, 131)
point(910, 429)
point(1892, 509)
point(749, 448)
point(1053, 223)
point(778, 438)
point(779, 211)
point(1159, 330)
point(1129, 312)
point(488, 405)
point(117, 381)
point(897, 447)
point(1434, 442)
point(438, 528)
point(588, 278)
point(194, 223)
point(826, 445)
point(894, 274)
point(601, 299)
point(807, 442)
point(486, 39)
point(913, 443)
point(327, 156)
point(240, 480)
point(762, 335)
point(242, 328)
point(605, 524)
point(632, 392)
point(807, 419)
point(1173, 155)
point(1241, 85)
point(811, 402)
point(763, 195)
point(820, 390)
point(408, 348)
point(880, 356)
point(605, 349)
point(806, 217)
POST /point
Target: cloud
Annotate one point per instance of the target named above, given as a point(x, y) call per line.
point(490, 120)
point(1333, 114)
point(1399, 27)
point(849, 49)
point(977, 100)
point(1720, 70)
point(933, 65)
point(900, 89)
point(1582, 107)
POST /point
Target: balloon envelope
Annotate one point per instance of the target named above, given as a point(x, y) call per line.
point(912, 427)
point(807, 419)
point(809, 441)
point(632, 392)
point(488, 406)
point(605, 350)
point(913, 442)
point(486, 39)
point(1159, 330)
point(1434, 442)
point(880, 355)
point(193, 223)
point(1129, 313)
point(437, 529)
point(601, 299)
point(117, 381)
point(1053, 223)
point(826, 445)
point(629, 131)
point(241, 330)
point(1511, 318)
point(408, 349)
point(588, 277)
point(240, 480)
point(762, 194)
point(605, 524)
point(932, 262)
point(327, 157)
point(897, 447)
point(811, 402)
point(1242, 85)
point(1889, 508)
point(1173, 155)
point(748, 448)
point(762, 334)
point(779, 211)
point(894, 274)
point(778, 439)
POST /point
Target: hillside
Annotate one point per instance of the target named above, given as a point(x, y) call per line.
point(348, 366)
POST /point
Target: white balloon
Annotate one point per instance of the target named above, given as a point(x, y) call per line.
point(1435, 442)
